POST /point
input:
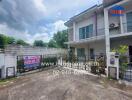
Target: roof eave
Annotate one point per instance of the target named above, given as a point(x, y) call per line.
point(72, 19)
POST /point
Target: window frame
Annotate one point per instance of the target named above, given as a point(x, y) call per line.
point(85, 32)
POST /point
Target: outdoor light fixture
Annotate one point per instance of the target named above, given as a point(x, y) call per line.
point(116, 55)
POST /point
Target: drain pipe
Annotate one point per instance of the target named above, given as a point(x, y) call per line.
point(96, 22)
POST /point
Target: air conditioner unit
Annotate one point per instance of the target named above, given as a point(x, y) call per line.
point(114, 25)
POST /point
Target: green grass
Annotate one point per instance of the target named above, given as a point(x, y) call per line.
point(7, 81)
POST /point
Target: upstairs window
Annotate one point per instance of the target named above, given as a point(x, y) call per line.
point(89, 31)
point(82, 33)
point(86, 32)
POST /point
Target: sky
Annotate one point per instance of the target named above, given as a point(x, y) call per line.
point(31, 20)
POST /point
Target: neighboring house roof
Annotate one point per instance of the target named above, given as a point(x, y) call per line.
point(88, 11)
point(107, 3)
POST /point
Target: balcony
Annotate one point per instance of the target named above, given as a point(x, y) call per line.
point(127, 27)
point(97, 35)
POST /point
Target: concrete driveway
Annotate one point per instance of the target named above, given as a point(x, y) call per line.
point(61, 84)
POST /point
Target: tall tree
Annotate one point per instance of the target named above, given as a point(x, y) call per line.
point(21, 42)
point(59, 39)
point(40, 43)
point(52, 44)
point(3, 41)
point(11, 40)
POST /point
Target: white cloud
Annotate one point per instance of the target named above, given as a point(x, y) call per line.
point(4, 29)
point(59, 25)
point(68, 6)
point(38, 36)
point(56, 26)
point(20, 18)
point(39, 4)
point(42, 33)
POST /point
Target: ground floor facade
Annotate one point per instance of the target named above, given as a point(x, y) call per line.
point(96, 48)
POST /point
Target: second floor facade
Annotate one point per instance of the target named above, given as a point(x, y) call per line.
point(90, 23)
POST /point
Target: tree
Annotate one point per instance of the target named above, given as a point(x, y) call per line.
point(21, 42)
point(52, 44)
point(40, 43)
point(11, 40)
point(3, 41)
point(59, 39)
point(123, 59)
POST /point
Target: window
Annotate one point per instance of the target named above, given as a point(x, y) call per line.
point(129, 22)
point(86, 32)
point(89, 31)
point(80, 52)
point(92, 53)
point(82, 33)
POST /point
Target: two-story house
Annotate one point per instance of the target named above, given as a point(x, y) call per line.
point(96, 31)
point(86, 32)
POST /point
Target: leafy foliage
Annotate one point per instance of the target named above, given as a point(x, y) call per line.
point(11, 40)
point(3, 41)
point(52, 44)
point(122, 49)
point(21, 42)
point(39, 43)
point(49, 61)
point(123, 61)
point(59, 39)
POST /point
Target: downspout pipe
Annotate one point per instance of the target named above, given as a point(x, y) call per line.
point(96, 22)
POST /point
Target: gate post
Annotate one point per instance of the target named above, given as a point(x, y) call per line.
point(113, 65)
point(60, 61)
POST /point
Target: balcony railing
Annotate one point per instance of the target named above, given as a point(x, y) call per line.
point(127, 27)
point(99, 32)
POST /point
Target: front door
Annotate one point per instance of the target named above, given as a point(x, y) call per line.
point(92, 53)
point(130, 53)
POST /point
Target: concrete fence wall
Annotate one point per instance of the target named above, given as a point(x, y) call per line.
point(29, 50)
point(7, 61)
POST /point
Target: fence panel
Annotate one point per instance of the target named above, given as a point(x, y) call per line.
point(31, 62)
point(126, 67)
point(84, 63)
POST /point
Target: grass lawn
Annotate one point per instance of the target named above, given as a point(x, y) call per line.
point(7, 81)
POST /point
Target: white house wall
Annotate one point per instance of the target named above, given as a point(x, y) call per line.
point(99, 47)
point(6, 61)
point(1, 60)
point(81, 24)
point(88, 21)
point(100, 21)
